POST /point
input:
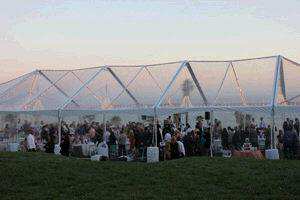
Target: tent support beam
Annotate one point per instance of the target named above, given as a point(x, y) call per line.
point(196, 82)
point(159, 101)
point(221, 85)
point(71, 99)
point(56, 86)
point(211, 133)
point(122, 85)
point(155, 81)
point(241, 91)
point(132, 80)
point(91, 91)
point(105, 126)
point(155, 130)
point(290, 99)
point(282, 82)
point(274, 98)
point(33, 84)
point(19, 82)
point(59, 116)
point(44, 91)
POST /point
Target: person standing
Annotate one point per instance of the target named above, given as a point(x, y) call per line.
point(289, 141)
point(19, 129)
point(181, 148)
point(224, 138)
point(174, 148)
point(112, 145)
point(297, 126)
point(280, 141)
point(253, 124)
point(262, 124)
point(31, 141)
point(106, 136)
point(50, 145)
point(122, 143)
point(65, 145)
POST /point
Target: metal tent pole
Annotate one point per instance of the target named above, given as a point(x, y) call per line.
point(123, 85)
point(161, 98)
point(244, 122)
point(211, 133)
point(104, 122)
point(273, 129)
point(274, 98)
point(59, 126)
point(155, 131)
point(44, 91)
point(77, 92)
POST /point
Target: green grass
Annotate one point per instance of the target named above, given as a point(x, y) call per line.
point(42, 176)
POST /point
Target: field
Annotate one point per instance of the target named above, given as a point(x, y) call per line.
point(42, 176)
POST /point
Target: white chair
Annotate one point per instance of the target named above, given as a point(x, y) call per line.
point(57, 149)
point(95, 158)
point(272, 154)
point(103, 149)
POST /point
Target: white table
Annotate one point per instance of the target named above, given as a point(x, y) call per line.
point(272, 154)
point(13, 146)
point(88, 148)
point(152, 154)
point(3, 146)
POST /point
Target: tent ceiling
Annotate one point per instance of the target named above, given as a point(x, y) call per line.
point(247, 84)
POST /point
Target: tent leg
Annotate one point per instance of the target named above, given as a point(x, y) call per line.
point(211, 134)
point(273, 129)
point(155, 128)
point(186, 118)
point(244, 121)
point(59, 126)
point(104, 123)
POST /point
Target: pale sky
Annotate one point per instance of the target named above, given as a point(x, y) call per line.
point(59, 34)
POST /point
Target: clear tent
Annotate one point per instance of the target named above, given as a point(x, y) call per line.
point(266, 84)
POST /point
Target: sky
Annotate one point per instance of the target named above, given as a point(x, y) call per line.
point(58, 34)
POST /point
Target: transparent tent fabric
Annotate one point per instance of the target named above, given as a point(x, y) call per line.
point(257, 84)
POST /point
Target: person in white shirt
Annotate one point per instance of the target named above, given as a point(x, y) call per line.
point(181, 148)
point(19, 129)
point(106, 137)
point(31, 142)
point(168, 137)
point(262, 124)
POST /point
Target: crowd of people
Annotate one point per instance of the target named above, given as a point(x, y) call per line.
point(174, 140)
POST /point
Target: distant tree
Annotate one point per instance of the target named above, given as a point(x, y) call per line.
point(116, 120)
point(186, 88)
point(242, 119)
point(10, 118)
point(88, 118)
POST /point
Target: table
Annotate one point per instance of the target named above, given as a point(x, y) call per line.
point(248, 154)
point(152, 154)
point(272, 154)
point(85, 148)
point(13, 146)
point(3, 146)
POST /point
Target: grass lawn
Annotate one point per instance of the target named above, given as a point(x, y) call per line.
point(42, 176)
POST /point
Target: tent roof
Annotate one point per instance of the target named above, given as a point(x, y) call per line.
point(255, 84)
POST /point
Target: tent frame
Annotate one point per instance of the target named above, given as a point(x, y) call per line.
point(156, 109)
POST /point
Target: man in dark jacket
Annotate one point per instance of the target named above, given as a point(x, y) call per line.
point(65, 145)
point(50, 143)
point(297, 126)
point(289, 142)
